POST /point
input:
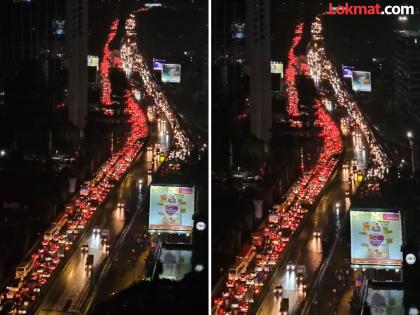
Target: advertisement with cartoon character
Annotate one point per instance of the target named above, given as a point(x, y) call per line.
point(171, 208)
point(376, 237)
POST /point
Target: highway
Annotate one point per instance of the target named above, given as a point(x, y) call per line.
point(308, 249)
point(72, 285)
point(58, 279)
point(70, 292)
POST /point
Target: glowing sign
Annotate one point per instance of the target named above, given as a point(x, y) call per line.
point(171, 208)
point(171, 73)
point(93, 61)
point(276, 67)
point(376, 237)
point(361, 81)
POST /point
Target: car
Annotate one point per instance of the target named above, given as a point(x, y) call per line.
point(106, 245)
point(291, 266)
point(347, 193)
point(317, 232)
point(300, 273)
point(278, 290)
point(96, 230)
point(85, 248)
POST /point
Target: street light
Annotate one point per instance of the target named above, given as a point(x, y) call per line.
point(410, 139)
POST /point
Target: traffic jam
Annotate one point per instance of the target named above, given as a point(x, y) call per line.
point(57, 241)
point(252, 268)
point(321, 68)
point(135, 63)
point(290, 79)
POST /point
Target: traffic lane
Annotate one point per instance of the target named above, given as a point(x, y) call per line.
point(128, 264)
point(337, 282)
point(308, 249)
point(74, 278)
point(68, 289)
point(124, 271)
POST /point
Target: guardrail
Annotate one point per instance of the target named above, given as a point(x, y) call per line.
point(76, 244)
point(288, 249)
point(305, 307)
point(86, 305)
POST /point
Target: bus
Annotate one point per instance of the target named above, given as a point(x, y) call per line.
point(60, 220)
point(49, 234)
point(24, 268)
point(247, 253)
point(236, 270)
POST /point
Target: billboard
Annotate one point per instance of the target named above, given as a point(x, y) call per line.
point(238, 30)
point(158, 64)
point(376, 237)
point(385, 301)
point(348, 72)
point(58, 26)
point(361, 81)
point(171, 73)
point(176, 263)
point(93, 61)
point(276, 67)
point(171, 208)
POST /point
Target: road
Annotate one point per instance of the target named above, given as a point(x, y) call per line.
point(308, 250)
point(72, 284)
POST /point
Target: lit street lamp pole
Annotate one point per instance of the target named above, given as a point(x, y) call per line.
point(410, 139)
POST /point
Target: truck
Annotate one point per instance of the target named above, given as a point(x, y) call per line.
point(284, 306)
point(89, 262)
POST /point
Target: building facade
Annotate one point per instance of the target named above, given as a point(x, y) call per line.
point(258, 37)
point(77, 51)
point(407, 69)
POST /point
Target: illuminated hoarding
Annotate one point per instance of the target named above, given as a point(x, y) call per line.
point(361, 81)
point(238, 30)
point(176, 263)
point(385, 301)
point(276, 67)
point(376, 237)
point(171, 73)
point(348, 72)
point(158, 64)
point(171, 208)
point(153, 5)
point(58, 26)
point(93, 61)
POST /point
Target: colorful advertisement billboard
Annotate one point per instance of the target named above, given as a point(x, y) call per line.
point(171, 208)
point(348, 72)
point(158, 64)
point(238, 30)
point(171, 73)
point(276, 67)
point(93, 61)
point(376, 237)
point(390, 302)
point(176, 263)
point(361, 81)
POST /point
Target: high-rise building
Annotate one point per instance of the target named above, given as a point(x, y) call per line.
point(259, 54)
point(76, 41)
point(35, 29)
point(407, 69)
